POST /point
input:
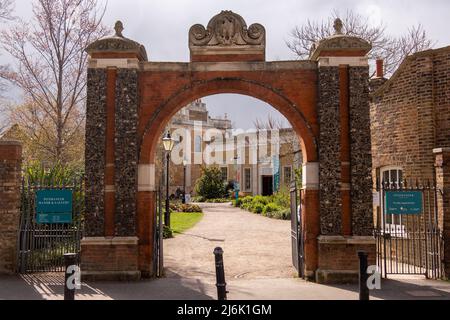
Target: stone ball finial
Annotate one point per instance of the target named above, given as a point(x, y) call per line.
point(338, 26)
point(119, 29)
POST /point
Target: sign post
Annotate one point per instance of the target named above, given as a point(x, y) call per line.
point(54, 206)
point(404, 202)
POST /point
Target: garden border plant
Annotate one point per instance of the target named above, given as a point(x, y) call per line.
point(276, 206)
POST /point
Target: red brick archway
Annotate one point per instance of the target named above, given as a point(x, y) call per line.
point(130, 100)
point(304, 104)
point(302, 115)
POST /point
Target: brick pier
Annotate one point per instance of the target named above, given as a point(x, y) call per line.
point(10, 179)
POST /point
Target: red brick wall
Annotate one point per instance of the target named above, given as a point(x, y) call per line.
point(411, 114)
point(343, 260)
point(109, 258)
point(442, 97)
point(10, 179)
point(443, 202)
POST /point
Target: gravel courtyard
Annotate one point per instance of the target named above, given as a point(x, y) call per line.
point(255, 247)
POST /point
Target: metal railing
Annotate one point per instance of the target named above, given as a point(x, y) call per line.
point(410, 244)
point(42, 246)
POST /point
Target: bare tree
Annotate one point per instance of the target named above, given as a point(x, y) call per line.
point(269, 124)
point(6, 9)
point(4, 123)
point(393, 50)
point(50, 69)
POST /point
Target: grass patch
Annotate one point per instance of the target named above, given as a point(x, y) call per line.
point(182, 222)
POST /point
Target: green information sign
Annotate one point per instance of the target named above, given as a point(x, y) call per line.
point(404, 202)
point(276, 174)
point(54, 206)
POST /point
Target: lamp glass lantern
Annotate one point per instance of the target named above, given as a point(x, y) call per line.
point(168, 142)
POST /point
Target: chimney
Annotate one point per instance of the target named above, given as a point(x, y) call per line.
point(380, 68)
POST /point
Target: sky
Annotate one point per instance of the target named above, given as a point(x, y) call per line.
point(162, 27)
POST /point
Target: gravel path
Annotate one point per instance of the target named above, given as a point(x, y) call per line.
point(257, 262)
point(255, 247)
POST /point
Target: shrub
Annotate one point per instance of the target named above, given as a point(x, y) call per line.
point(257, 208)
point(186, 208)
point(167, 233)
point(246, 200)
point(282, 198)
point(284, 214)
point(271, 208)
point(210, 185)
point(36, 173)
point(276, 206)
point(198, 199)
point(222, 200)
point(237, 203)
point(174, 207)
point(261, 200)
point(190, 208)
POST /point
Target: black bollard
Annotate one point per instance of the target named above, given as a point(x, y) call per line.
point(363, 276)
point(70, 261)
point(220, 275)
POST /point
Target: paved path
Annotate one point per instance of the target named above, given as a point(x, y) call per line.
point(255, 247)
point(258, 266)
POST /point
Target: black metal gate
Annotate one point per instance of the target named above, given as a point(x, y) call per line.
point(159, 236)
point(42, 246)
point(409, 244)
point(296, 231)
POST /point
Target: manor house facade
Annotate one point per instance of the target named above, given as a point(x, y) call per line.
point(250, 158)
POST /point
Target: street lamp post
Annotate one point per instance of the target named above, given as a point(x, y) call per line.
point(236, 186)
point(168, 143)
point(184, 181)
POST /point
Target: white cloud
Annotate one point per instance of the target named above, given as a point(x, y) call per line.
point(162, 26)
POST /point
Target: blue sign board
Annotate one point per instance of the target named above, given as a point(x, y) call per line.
point(54, 206)
point(276, 173)
point(404, 202)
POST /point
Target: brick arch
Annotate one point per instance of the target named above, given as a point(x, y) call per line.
point(199, 89)
point(130, 99)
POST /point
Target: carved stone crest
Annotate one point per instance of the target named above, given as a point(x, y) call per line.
point(227, 32)
point(227, 29)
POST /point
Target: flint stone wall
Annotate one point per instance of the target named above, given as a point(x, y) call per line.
point(127, 151)
point(95, 152)
point(361, 153)
point(329, 152)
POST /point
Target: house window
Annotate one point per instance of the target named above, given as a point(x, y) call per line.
point(392, 177)
point(224, 174)
point(248, 179)
point(198, 144)
point(287, 175)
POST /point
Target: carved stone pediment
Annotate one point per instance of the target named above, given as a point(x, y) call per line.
point(340, 43)
point(228, 33)
point(117, 44)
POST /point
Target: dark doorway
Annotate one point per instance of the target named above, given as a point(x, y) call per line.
point(267, 186)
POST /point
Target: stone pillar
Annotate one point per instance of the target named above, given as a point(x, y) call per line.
point(110, 248)
point(443, 202)
point(346, 213)
point(146, 203)
point(311, 218)
point(10, 180)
